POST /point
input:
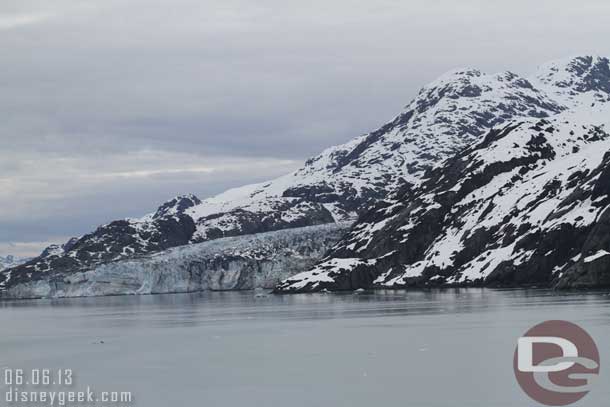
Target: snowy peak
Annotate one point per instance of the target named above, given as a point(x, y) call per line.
point(577, 80)
point(446, 115)
point(59, 249)
point(467, 83)
point(178, 205)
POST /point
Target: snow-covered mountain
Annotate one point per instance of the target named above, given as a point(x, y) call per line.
point(448, 115)
point(527, 205)
point(9, 261)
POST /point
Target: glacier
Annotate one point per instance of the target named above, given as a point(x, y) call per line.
point(235, 263)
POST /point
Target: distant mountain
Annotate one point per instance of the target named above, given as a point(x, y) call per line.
point(341, 183)
point(9, 261)
point(525, 206)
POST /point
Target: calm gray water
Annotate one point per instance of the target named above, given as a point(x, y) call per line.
point(396, 348)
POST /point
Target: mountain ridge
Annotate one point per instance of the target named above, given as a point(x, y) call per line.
point(339, 184)
point(444, 233)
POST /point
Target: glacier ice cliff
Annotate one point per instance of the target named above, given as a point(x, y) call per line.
point(235, 263)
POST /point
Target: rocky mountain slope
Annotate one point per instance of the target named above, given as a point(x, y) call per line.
point(526, 206)
point(447, 116)
point(234, 263)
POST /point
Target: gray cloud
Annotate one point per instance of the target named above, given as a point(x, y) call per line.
point(128, 102)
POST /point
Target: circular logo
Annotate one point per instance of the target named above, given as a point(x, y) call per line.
point(556, 363)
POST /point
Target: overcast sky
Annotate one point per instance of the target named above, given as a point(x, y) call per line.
point(110, 107)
